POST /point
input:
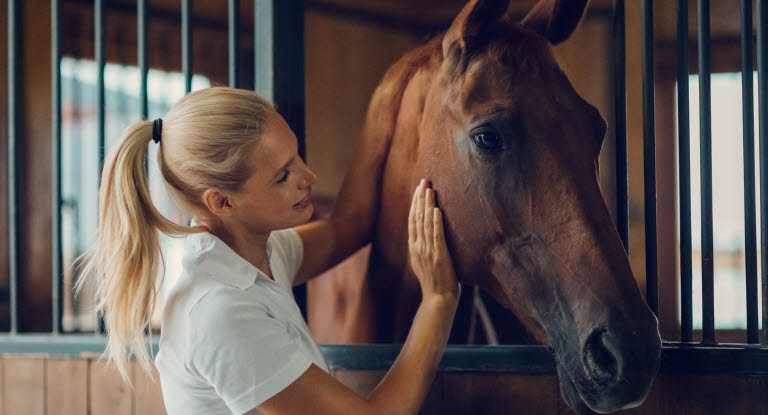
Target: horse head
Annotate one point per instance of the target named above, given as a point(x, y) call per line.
point(512, 152)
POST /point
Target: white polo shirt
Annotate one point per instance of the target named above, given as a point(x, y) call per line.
point(232, 337)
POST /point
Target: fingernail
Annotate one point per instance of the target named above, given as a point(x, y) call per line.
point(421, 183)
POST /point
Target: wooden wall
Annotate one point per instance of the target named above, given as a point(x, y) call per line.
point(37, 385)
point(508, 393)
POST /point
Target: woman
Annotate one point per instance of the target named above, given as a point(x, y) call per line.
point(233, 339)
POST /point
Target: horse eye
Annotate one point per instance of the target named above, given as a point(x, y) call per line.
point(487, 140)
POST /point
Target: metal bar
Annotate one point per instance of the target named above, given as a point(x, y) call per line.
point(234, 43)
point(620, 114)
point(705, 125)
point(280, 50)
point(141, 27)
point(15, 158)
point(762, 107)
point(649, 161)
point(186, 43)
point(263, 49)
point(684, 137)
point(56, 249)
point(100, 101)
point(675, 357)
point(279, 71)
point(748, 128)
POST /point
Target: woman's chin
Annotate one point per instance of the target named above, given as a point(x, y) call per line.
point(305, 213)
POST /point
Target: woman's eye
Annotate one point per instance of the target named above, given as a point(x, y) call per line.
point(487, 140)
point(285, 177)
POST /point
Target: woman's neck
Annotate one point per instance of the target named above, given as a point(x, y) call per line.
point(249, 245)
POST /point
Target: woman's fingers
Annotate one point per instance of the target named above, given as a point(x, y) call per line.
point(412, 216)
point(420, 212)
point(429, 205)
point(438, 235)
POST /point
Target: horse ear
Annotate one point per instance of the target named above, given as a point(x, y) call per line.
point(471, 24)
point(555, 19)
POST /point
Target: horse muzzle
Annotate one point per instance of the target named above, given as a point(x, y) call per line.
point(615, 371)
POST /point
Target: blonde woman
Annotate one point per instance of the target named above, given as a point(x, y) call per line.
point(233, 339)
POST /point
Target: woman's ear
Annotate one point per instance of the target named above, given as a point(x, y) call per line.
point(218, 202)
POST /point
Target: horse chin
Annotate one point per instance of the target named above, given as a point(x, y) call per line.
point(571, 393)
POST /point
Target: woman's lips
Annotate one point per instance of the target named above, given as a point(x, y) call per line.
point(304, 202)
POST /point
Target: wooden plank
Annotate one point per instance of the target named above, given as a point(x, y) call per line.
point(433, 402)
point(2, 388)
point(67, 386)
point(496, 393)
point(148, 397)
point(24, 383)
point(109, 394)
point(695, 395)
point(757, 395)
point(363, 382)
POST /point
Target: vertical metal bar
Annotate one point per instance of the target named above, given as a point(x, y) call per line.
point(15, 158)
point(705, 125)
point(620, 114)
point(56, 261)
point(684, 137)
point(748, 128)
point(234, 43)
point(186, 43)
point(263, 49)
point(649, 160)
point(141, 27)
point(762, 107)
point(100, 102)
point(279, 70)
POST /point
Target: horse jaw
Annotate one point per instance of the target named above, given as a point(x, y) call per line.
point(602, 367)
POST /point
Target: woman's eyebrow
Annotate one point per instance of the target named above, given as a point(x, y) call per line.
point(284, 166)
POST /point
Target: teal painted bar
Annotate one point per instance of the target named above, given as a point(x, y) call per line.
point(676, 357)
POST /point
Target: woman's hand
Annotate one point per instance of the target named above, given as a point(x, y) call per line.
point(429, 255)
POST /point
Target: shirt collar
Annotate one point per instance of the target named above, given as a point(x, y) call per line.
point(208, 253)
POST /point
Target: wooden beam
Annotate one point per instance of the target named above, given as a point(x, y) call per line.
point(66, 386)
point(24, 382)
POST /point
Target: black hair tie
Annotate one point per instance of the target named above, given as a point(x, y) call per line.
point(157, 130)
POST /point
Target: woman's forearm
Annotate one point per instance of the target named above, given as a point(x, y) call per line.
point(405, 386)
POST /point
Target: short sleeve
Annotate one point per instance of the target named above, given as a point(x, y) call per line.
point(246, 355)
point(289, 251)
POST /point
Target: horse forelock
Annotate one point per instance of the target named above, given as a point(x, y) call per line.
point(510, 45)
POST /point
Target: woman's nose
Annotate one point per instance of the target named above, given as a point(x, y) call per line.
point(309, 177)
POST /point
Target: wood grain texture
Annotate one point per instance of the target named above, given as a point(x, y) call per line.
point(66, 383)
point(108, 393)
point(147, 395)
point(474, 393)
point(2, 388)
point(757, 395)
point(24, 386)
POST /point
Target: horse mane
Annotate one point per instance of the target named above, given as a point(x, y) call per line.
point(381, 118)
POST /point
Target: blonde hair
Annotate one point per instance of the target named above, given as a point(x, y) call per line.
point(205, 142)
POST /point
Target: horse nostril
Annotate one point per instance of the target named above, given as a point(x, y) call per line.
point(599, 361)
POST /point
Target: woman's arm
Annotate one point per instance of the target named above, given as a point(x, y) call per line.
point(329, 240)
point(405, 386)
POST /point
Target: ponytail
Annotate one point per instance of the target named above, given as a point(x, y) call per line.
point(123, 263)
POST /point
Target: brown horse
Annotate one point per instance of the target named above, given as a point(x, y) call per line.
point(485, 112)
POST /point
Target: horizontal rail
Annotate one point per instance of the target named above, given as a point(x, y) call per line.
point(676, 357)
